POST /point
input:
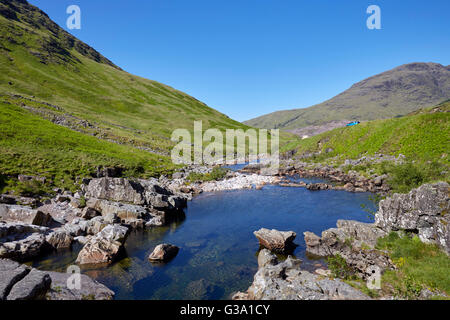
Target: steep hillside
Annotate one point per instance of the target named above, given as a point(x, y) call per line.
point(389, 94)
point(420, 136)
point(42, 63)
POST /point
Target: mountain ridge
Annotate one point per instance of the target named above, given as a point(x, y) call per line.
point(395, 92)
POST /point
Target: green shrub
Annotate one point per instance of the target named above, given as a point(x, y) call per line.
point(339, 267)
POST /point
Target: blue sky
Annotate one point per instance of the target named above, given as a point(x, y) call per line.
point(251, 57)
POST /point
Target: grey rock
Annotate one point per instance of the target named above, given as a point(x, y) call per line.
point(425, 210)
point(354, 241)
point(286, 281)
point(115, 189)
point(15, 213)
point(265, 257)
point(22, 242)
point(89, 289)
point(163, 252)
point(59, 238)
point(33, 286)
point(11, 272)
point(274, 240)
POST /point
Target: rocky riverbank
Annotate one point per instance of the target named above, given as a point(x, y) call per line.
point(101, 215)
point(423, 211)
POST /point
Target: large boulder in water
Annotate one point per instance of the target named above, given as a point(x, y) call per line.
point(163, 253)
point(274, 240)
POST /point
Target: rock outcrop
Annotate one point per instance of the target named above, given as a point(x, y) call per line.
point(277, 241)
point(20, 282)
point(286, 281)
point(33, 286)
point(89, 289)
point(105, 247)
point(15, 213)
point(22, 242)
point(163, 253)
point(425, 211)
point(355, 242)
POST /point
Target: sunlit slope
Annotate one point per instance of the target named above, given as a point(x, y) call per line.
point(422, 136)
point(40, 60)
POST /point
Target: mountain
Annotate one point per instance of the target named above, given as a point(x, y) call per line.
point(65, 109)
point(42, 62)
point(392, 93)
point(421, 136)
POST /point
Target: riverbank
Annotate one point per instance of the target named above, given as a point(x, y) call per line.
point(403, 255)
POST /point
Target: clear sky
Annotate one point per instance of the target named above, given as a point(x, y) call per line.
point(251, 57)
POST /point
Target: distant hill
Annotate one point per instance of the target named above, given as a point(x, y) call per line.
point(422, 135)
point(392, 93)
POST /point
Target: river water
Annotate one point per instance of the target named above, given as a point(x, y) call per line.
point(218, 254)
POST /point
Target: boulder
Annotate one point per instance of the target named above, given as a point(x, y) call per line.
point(33, 286)
point(116, 189)
point(125, 212)
point(11, 272)
point(88, 213)
point(59, 238)
point(15, 213)
point(22, 242)
point(355, 242)
point(105, 247)
point(318, 186)
point(99, 251)
point(274, 240)
point(61, 211)
point(286, 281)
point(265, 257)
point(89, 289)
point(114, 232)
point(425, 211)
point(163, 253)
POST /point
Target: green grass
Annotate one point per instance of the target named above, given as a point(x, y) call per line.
point(39, 63)
point(419, 266)
point(419, 137)
point(217, 173)
point(34, 146)
point(42, 64)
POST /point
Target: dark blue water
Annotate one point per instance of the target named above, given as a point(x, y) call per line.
point(218, 253)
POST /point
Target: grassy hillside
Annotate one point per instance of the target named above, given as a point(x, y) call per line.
point(420, 136)
point(40, 60)
point(393, 93)
point(34, 146)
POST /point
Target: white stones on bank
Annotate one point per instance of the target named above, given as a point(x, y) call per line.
point(240, 181)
